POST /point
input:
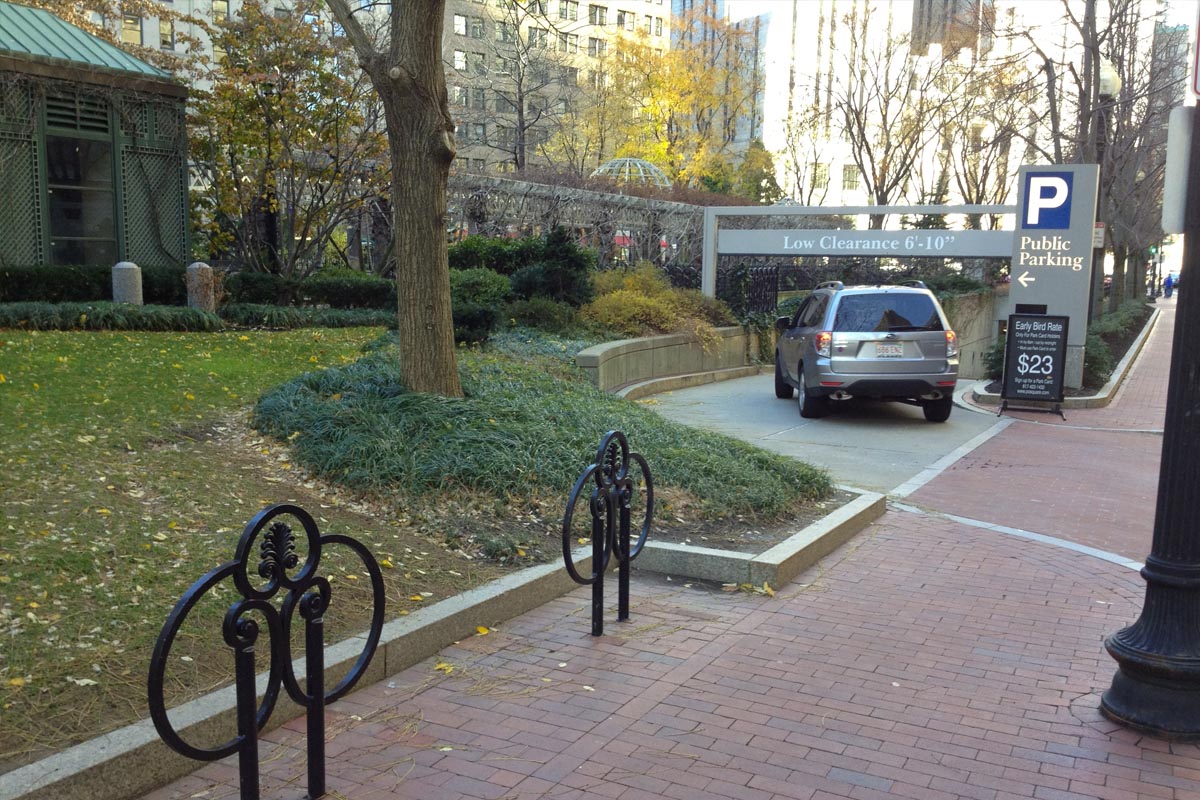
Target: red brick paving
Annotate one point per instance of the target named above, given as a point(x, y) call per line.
point(926, 659)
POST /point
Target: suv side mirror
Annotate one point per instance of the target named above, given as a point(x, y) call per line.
point(782, 324)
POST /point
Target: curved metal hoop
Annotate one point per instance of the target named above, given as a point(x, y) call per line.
point(626, 499)
point(307, 594)
point(568, 518)
point(158, 668)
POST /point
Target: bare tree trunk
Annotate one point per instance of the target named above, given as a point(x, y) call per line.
point(411, 81)
point(1116, 292)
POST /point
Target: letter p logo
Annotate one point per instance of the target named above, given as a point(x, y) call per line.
point(1047, 200)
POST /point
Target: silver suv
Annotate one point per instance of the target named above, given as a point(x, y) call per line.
point(883, 342)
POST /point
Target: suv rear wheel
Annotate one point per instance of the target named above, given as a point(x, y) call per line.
point(937, 410)
point(811, 407)
point(783, 389)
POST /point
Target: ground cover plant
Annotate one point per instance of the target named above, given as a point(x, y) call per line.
point(131, 466)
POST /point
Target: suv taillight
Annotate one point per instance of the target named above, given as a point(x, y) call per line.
point(822, 342)
point(951, 344)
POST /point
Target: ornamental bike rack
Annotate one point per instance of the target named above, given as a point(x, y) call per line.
point(307, 593)
point(610, 502)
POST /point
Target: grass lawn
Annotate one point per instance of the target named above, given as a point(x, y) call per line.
point(128, 471)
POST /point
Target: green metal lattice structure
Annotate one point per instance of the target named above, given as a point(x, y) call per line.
point(93, 149)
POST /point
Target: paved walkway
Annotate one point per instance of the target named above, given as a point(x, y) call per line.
point(930, 658)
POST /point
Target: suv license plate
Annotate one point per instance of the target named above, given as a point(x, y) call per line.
point(888, 350)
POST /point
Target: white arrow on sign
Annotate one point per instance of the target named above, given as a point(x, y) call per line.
point(1024, 279)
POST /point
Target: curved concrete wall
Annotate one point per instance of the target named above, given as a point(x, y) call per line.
point(615, 365)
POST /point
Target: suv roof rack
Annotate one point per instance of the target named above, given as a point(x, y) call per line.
point(838, 285)
point(913, 283)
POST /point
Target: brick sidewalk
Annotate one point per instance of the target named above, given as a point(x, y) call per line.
point(1092, 479)
point(926, 659)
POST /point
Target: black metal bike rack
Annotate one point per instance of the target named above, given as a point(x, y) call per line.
point(610, 503)
point(308, 593)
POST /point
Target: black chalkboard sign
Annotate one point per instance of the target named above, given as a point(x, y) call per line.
point(1035, 356)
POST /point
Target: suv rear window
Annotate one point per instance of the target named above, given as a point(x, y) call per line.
point(860, 313)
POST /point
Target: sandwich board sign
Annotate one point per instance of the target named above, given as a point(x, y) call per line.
point(1035, 359)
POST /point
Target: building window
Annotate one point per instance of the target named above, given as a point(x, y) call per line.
point(460, 24)
point(506, 32)
point(538, 7)
point(568, 42)
point(505, 104)
point(648, 21)
point(166, 34)
point(81, 203)
point(597, 15)
point(220, 9)
point(505, 136)
point(597, 47)
point(478, 133)
point(596, 79)
point(820, 176)
point(570, 76)
point(313, 21)
point(506, 66)
point(850, 176)
point(460, 60)
point(458, 96)
point(282, 13)
point(539, 37)
point(479, 99)
point(477, 62)
point(626, 20)
point(131, 30)
point(477, 30)
point(658, 26)
point(568, 9)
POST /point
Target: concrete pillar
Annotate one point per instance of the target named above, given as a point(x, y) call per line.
point(200, 287)
point(127, 283)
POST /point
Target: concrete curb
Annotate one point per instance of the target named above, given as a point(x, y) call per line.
point(981, 396)
point(778, 565)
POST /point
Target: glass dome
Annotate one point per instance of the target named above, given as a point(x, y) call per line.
point(633, 170)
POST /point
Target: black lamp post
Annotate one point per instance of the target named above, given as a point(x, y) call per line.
point(1157, 686)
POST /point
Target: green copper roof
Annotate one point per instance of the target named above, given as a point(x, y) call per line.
point(40, 36)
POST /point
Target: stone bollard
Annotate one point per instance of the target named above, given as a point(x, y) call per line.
point(127, 283)
point(200, 287)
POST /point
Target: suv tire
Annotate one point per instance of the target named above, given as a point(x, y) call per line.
point(937, 410)
point(811, 407)
point(783, 389)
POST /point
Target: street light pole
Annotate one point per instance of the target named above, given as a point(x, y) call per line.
point(1156, 689)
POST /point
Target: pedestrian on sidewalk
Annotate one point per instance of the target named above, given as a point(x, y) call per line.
point(1169, 284)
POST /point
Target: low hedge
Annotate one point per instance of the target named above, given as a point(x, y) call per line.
point(165, 286)
point(105, 316)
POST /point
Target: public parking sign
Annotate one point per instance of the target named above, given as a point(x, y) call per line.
point(1035, 358)
point(1052, 243)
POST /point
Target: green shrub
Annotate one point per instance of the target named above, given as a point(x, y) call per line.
point(993, 359)
point(251, 315)
point(542, 313)
point(479, 286)
point(473, 323)
point(503, 255)
point(345, 288)
point(692, 303)
point(1098, 362)
point(644, 278)
point(58, 284)
point(261, 288)
point(563, 274)
point(105, 316)
point(164, 286)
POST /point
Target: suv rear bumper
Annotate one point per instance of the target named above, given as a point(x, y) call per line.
point(908, 387)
